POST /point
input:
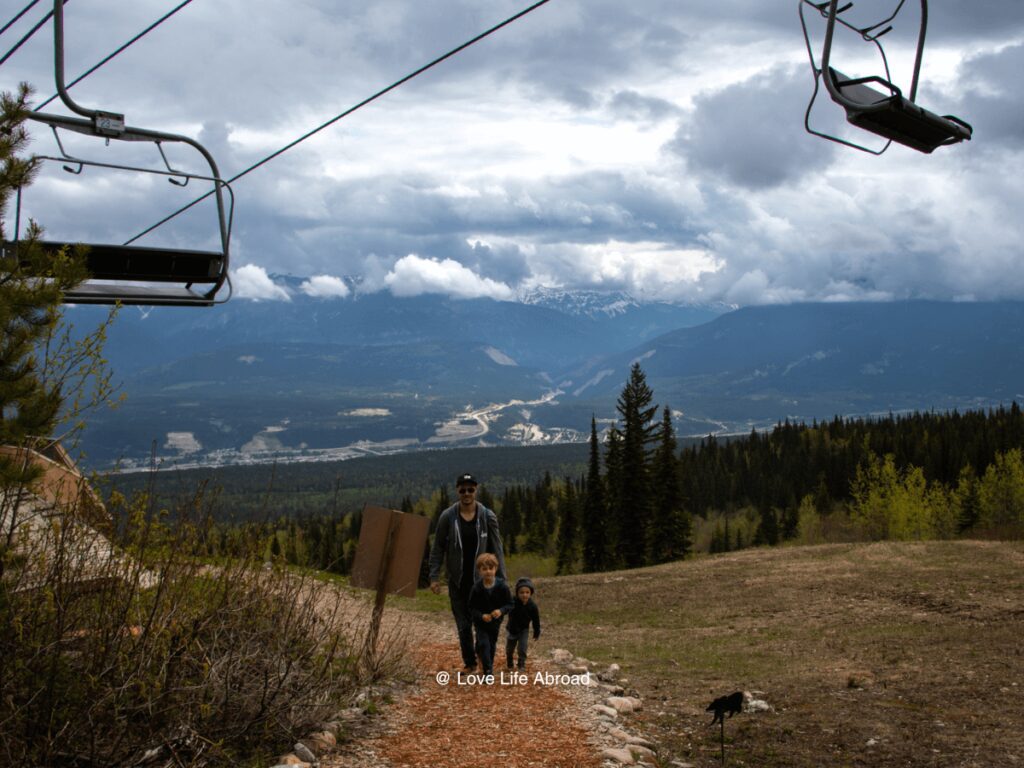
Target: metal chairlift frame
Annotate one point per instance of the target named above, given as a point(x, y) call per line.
point(893, 116)
point(127, 265)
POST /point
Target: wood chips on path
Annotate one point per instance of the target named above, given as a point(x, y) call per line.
point(454, 725)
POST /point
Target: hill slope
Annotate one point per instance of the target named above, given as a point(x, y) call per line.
point(815, 360)
point(869, 654)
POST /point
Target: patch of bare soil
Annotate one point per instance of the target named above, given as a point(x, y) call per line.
point(886, 654)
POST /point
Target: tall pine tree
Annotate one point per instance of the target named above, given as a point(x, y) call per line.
point(613, 495)
point(568, 529)
point(669, 533)
point(595, 524)
point(46, 378)
point(634, 505)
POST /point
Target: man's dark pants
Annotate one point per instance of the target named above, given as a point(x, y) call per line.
point(463, 623)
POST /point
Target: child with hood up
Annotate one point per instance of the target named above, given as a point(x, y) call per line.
point(523, 613)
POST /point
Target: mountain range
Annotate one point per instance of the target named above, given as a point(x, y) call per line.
point(311, 379)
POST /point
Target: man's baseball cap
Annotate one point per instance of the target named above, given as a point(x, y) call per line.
point(466, 479)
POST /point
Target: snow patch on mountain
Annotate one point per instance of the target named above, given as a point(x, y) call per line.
point(499, 357)
point(593, 381)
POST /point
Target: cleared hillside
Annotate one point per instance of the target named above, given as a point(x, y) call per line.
point(885, 654)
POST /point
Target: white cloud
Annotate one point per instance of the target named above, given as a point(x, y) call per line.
point(253, 282)
point(646, 268)
point(325, 287)
point(413, 275)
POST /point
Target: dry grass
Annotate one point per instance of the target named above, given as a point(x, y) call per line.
point(916, 648)
point(116, 657)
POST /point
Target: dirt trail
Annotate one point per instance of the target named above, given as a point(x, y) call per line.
point(444, 721)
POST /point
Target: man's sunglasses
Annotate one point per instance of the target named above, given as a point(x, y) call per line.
point(466, 491)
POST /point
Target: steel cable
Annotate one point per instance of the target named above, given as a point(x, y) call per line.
point(120, 50)
point(348, 112)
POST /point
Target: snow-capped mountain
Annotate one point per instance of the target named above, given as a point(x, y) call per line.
point(592, 304)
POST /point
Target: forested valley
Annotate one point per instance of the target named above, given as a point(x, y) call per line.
point(637, 495)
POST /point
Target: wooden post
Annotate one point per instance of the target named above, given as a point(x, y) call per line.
point(370, 649)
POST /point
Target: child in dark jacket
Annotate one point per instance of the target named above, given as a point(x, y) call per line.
point(489, 601)
point(522, 615)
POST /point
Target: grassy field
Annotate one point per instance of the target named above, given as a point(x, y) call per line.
point(887, 654)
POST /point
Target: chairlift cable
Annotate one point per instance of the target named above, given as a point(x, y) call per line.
point(349, 111)
point(21, 13)
point(28, 35)
point(120, 50)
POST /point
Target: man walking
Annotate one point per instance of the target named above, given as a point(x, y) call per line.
point(465, 530)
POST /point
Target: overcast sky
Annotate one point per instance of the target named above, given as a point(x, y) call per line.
point(655, 147)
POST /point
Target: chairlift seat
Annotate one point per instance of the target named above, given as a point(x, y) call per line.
point(896, 117)
point(138, 295)
point(126, 273)
point(133, 266)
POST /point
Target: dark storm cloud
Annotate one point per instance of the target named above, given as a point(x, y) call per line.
point(958, 20)
point(751, 133)
point(991, 99)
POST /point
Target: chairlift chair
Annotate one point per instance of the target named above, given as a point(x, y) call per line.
point(889, 114)
point(127, 273)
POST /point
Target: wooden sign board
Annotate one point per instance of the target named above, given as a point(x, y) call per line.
point(391, 540)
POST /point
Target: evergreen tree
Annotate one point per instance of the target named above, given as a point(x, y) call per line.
point(538, 519)
point(30, 400)
point(485, 497)
point(613, 496)
point(328, 546)
point(568, 529)
point(511, 519)
point(424, 578)
point(637, 413)
point(47, 379)
point(768, 529)
point(595, 543)
point(443, 502)
point(720, 538)
point(669, 534)
point(967, 499)
point(291, 543)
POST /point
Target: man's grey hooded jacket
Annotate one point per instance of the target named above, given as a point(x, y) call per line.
point(448, 543)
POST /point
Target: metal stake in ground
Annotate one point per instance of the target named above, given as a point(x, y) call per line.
point(733, 704)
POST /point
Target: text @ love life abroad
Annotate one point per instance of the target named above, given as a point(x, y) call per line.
point(511, 678)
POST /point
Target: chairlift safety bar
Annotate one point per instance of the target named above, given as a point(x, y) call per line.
point(835, 91)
